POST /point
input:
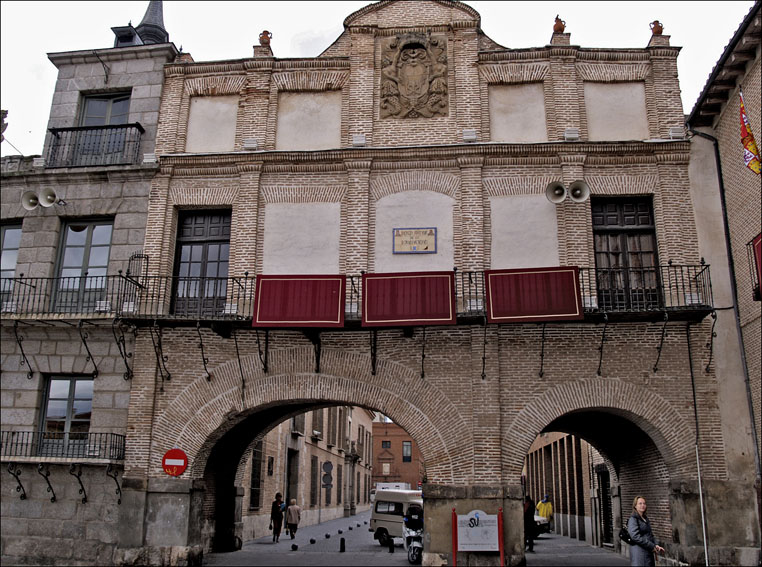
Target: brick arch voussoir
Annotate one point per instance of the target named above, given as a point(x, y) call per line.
point(671, 434)
point(425, 180)
point(205, 411)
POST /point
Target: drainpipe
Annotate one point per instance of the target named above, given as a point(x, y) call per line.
point(734, 292)
point(698, 461)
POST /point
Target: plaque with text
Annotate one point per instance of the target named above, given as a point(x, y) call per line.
point(414, 240)
point(478, 531)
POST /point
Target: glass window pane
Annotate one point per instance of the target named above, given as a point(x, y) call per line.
point(82, 409)
point(71, 274)
point(213, 252)
point(79, 427)
point(195, 270)
point(11, 238)
point(54, 426)
point(225, 252)
point(196, 253)
point(211, 270)
point(102, 234)
point(56, 409)
point(8, 260)
point(76, 234)
point(73, 257)
point(185, 253)
point(59, 388)
point(83, 389)
point(98, 256)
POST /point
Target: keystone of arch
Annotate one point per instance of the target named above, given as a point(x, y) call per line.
point(671, 434)
point(213, 408)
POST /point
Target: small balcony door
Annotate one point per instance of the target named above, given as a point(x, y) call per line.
point(102, 146)
point(82, 281)
point(202, 260)
point(625, 254)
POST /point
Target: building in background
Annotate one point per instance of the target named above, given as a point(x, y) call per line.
point(484, 244)
point(396, 457)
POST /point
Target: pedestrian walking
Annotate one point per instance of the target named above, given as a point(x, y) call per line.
point(276, 516)
point(644, 547)
point(293, 517)
point(545, 509)
point(529, 523)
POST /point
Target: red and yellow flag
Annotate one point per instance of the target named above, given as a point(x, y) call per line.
point(750, 151)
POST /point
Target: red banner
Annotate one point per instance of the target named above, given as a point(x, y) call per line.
point(533, 294)
point(402, 299)
point(299, 301)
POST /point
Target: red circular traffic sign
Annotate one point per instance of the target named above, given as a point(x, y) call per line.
point(175, 462)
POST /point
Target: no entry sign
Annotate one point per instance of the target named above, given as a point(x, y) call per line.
point(175, 462)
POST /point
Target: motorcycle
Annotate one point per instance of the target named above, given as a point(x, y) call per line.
point(412, 533)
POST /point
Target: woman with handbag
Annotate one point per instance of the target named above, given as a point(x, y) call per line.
point(643, 546)
point(276, 517)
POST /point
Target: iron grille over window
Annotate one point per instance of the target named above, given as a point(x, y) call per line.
point(313, 481)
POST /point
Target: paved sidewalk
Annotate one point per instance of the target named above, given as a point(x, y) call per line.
point(553, 549)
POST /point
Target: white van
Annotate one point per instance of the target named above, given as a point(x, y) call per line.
point(388, 509)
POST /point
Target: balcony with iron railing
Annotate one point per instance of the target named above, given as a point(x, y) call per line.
point(48, 445)
point(85, 146)
point(682, 291)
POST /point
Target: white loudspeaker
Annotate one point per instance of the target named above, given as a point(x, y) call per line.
point(48, 198)
point(555, 192)
point(579, 191)
point(29, 200)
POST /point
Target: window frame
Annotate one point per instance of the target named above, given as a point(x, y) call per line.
point(6, 281)
point(407, 447)
point(64, 443)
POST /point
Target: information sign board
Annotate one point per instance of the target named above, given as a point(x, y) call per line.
point(478, 531)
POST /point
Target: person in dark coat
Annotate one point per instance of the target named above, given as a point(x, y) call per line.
point(276, 516)
point(530, 527)
point(644, 546)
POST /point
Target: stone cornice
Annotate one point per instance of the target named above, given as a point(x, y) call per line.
point(582, 54)
point(167, 50)
point(243, 65)
point(333, 160)
point(115, 174)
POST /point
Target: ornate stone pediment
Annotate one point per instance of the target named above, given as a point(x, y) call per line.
point(414, 76)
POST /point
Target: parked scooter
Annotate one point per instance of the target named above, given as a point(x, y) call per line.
point(412, 533)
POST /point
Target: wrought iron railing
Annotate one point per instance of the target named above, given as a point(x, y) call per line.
point(94, 145)
point(641, 290)
point(62, 445)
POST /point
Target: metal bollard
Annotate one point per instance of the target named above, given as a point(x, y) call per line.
point(342, 546)
point(391, 545)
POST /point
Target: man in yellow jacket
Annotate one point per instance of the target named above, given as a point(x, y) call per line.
point(545, 509)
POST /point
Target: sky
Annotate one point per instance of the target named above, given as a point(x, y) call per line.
point(212, 31)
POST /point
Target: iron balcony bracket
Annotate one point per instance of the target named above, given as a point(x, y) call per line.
point(240, 369)
point(84, 336)
point(78, 475)
point(373, 351)
point(24, 359)
point(16, 472)
point(122, 346)
point(710, 344)
point(262, 359)
point(484, 351)
point(40, 468)
point(603, 340)
point(161, 358)
point(201, 346)
point(542, 353)
point(114, 476)
point(423, 354)
point(661, 342)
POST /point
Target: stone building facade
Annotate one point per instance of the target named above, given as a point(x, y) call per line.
point(413, 122)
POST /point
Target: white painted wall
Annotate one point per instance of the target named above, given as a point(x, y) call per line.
point(301, 238)
point(616, 111)
point(211, 124)
point(524, 232)
point(308, 121)
point(517, 113)
point(414, 209)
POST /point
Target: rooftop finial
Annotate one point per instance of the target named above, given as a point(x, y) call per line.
point(151, 28)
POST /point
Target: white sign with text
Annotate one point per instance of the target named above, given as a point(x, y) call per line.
point(477, 531)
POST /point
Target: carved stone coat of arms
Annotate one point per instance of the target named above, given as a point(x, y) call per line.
point(414, 76)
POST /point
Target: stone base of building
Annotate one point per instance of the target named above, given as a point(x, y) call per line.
point(176, 556)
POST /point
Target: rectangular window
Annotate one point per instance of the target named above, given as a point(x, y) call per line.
point(339, 480)
point(386, 444)
point(332, 416)
point(626, 264)
point(392, 508)
point(407, 451)
point(201, 262)
point(270, 466)
point(314, 481)
point(357, 488)
point(317, 423)
point(10, 239)
point(66, 419)
point(297, 424)
point(82, 266)
point(255, 496)
point(97, 145)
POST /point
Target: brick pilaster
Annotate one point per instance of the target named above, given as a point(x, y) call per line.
point(355, 233)
point(244, 221)
point(470, 255)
